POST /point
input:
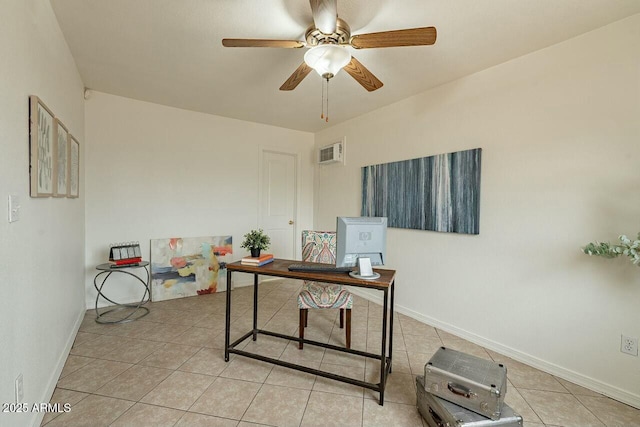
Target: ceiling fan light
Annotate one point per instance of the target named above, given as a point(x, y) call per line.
point(327, 59)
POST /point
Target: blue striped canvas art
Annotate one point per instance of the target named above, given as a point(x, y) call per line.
point(439, 193)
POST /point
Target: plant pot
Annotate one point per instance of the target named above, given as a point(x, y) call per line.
point(255, 252)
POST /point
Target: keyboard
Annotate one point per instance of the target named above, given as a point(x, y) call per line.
point(317, 268)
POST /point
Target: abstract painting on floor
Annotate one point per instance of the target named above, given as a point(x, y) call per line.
point(188, 266)
point(439, 193)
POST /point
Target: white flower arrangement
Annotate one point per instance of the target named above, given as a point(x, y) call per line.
point(627, 247)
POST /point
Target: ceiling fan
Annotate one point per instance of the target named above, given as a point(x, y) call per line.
point(327, 39)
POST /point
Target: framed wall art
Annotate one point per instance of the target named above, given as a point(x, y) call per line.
point(41, 148)
point(73, 164)
point(438, 193)
point(61, 169)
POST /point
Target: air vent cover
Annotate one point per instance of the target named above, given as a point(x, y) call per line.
point(331, 153)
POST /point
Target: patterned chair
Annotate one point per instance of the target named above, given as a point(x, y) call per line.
point(320, 246)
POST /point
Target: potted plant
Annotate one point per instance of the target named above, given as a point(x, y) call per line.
point(255, 241)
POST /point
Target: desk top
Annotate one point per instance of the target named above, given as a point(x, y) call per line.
point(280, 268)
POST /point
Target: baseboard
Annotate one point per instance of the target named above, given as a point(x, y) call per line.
point(543, 365)
point(36, 420)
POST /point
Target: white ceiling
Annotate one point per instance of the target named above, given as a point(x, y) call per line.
point(170, 52)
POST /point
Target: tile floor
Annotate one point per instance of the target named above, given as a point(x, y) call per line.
point(167, 369)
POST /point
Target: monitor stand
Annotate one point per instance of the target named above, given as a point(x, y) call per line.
point(365, 271)
point(355, 275)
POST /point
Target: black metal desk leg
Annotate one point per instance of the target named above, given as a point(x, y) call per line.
point(227, 327)
point(393, 287)
point(383, 361)
point(255, 307)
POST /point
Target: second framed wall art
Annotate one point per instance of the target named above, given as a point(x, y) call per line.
point(61, 159)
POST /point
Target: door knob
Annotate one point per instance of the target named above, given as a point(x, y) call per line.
point(290, 222)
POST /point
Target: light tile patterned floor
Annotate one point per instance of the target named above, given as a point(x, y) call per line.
point(167, 369)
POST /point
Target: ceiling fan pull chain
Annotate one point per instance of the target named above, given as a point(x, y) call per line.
point(327, 115)
point(322, 97)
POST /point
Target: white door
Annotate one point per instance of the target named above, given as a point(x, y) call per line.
point(278, 202)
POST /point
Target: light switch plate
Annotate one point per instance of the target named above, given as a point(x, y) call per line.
point(14, 208)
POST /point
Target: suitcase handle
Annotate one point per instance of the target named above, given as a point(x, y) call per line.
point(460, 390)
point(436, 418)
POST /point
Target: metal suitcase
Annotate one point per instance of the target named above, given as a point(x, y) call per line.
point(468, 381)
point(438, 412)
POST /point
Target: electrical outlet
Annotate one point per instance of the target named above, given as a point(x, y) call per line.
point(629, 345)
point(19, 389)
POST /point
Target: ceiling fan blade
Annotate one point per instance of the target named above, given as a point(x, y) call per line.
point(262, 43)
point(325, 15)
point(410, 37)
point(362, 75)
point(298, 75)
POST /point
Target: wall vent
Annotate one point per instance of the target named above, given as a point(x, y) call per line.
point(331, 153)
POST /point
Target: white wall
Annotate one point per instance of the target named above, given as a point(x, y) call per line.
point(42, 255)
point(157, 172)
point(560, 134)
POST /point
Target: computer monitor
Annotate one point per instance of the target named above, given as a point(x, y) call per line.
point(361, 237)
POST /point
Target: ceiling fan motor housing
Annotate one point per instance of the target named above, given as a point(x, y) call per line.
point(316, 37)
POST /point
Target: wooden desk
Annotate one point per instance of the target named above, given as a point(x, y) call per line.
point(279, 268)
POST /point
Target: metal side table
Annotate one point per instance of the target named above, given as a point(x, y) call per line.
point(107, 270)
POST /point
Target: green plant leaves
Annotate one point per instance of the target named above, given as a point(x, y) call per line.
point(256, 239)
point(627, 247)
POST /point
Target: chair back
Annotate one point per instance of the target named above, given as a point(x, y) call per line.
point(319, 246)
